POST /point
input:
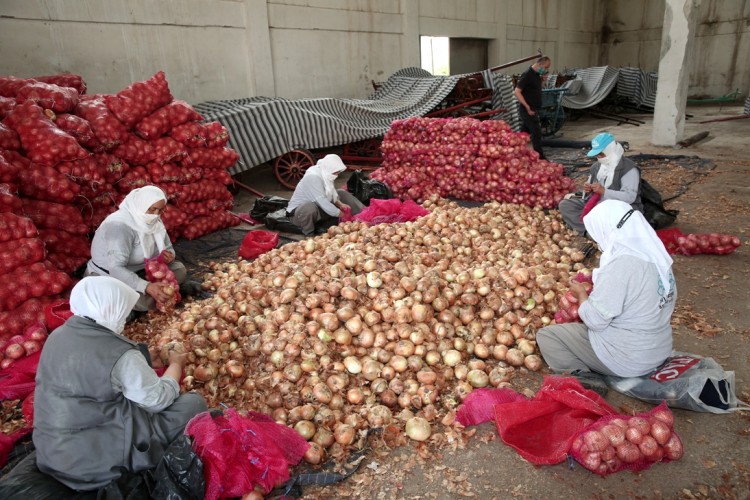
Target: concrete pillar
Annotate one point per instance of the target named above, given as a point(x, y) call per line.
point(498, 48)
point(260, 60)
point(410, 49)
point(677, 38)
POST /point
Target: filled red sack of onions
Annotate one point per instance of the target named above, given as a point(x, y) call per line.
point(9, 200)
point(66, 263)
point(47, 214)
point(166, 172)
point(46, 183)
point(157, 271)
point(9, 168)
point(140, 99)
point(58, 241)
point(707, 243)
point(35, 280)
point(135, 177)
point(21, 252)
point(191, 134)
point(15, 227)
point(168, 150)
point(204, 207)
point(173, 219)
point(78, 128)
point(218, 175)
point(21, 345)
point(109, 131)
point(217, 134)
point(14, 322)
point(65, 80)
point(166, 118)
point(43, 141)
point(49, 96)
point(618, 442)
point(10, 85)
point(208, 224)
point(204, 190)
point(9, 138)
point(7, 104)
point(135, 151)
point(112, 167)
point(86, 172)
point(221, 157)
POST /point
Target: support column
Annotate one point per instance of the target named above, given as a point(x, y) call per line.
point(498, 48)
point(260, 60)
point(677, 38)
point(410, 50)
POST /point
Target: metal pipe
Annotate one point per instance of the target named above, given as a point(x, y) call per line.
point(518, 61)
point(248, 188)
point(726, 119)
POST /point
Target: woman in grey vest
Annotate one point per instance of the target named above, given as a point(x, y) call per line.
point(99, 407)
point(612, 177)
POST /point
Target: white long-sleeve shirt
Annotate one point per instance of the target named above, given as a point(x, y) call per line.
point(116, 251)
point(312, 189)
point(628, 315)
point(138, 382)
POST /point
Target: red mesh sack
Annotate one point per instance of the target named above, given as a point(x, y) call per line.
point(46, 214)
point(7, 104)
point(29, 313)
point(543, 428)
point(8, 138)
point(35, 280)
point(56, 313)
point(620, 442)
point(217, 134)
point(204, 207)
point(173, 218)
point(135, 151)
point(567, 309)
point(191, 134)
point(49, 96)
point(135, 177)
point(222, 157)
point(208, 224)
point(9, 200)
point(10, 85)
point(391, 210)
point(166, 118)
point(140, 99)
point(43, 141)
point(204, 190)
point(157, 271)
point(15, 227)
point(79, 128)
point(112, 167)
point(218, 175)
point(86, 172)
point(46, 183)
point(68, 264)
point(65, 80)
point(58, 241)
point(17, 253)
point(239, 453)
point(9, 168)
point(707, 243)
point(167, 172)
point(479, 406)
point(17, 378)
point(109, 131)
point(257, 243)
point(167, 150)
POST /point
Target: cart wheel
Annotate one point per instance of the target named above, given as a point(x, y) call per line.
point(368, 148)
point(550, 124)
point(290, 167)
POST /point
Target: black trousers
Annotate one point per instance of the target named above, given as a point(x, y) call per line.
point(531, 125)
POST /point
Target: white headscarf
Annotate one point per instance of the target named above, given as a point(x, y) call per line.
point(634, 237)
point(106, 300)
point(150, 229)
point(327, 169)
point(613, 154)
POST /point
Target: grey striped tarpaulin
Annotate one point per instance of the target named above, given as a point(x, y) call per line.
point(596, 84)
point(637, 86)
point(747, 105)
point(503, 97)
point(263, 128)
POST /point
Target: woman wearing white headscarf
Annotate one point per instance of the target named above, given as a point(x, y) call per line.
point(612, 177)
point(98, 405)
point(128, 236)
point(626, 329)
point(316, 198)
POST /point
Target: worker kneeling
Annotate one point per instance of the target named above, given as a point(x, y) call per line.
point(316, 199)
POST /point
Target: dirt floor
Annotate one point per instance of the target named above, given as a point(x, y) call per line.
point(712, 319)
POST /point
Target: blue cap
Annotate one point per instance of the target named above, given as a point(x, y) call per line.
point(600, 142)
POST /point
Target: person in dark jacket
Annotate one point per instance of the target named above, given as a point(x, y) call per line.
point(612, 177)
point(99, 408)
point(529, 94)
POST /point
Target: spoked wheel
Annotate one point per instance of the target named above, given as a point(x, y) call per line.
point(290, 167)
point(368, 148)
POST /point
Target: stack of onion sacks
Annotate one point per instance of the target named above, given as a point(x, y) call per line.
point(616, 442)
point(368, 326)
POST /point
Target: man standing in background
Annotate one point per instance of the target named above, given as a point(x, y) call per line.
point(529, 94)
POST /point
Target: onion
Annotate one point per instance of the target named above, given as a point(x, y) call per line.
point(451, 357)
point(628, 453)
point(344, 434)
point(15, 351)
point(418, 429)
point(533, 362)
point(660, 431)
point(633, 435)
point(614, 433)
point(665, 415)
point(353, 365)
point(305, 428)
point(314, 454)
point(673, 449)
point(595, 440)
point(514, 357)
point(648, 448)
point(478, 378)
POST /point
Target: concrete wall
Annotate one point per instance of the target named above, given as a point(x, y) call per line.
point(220, 49)
point(632, 37)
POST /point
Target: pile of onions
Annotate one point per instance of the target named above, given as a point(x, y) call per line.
point(368, 326)
point(618, 442)
point(468, 159)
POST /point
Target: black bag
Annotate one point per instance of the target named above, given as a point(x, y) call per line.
point(278, 221)
point(653, 207)
point(266, 205)
point(364, 189)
